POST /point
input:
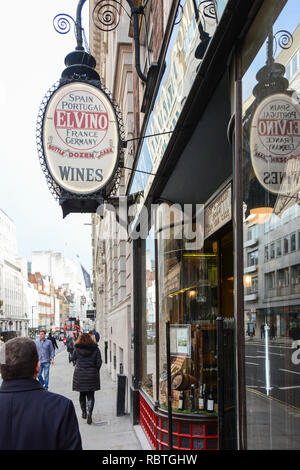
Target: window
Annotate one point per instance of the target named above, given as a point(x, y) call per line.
point(267, 226)
point(253, 232)
point(272, 251)
point(253, 258)
point(254, 286)
point(293, 212)
point(188, 291)
point(288, 71)
point(286, 245)
point(266, 257)
point(270, 280)
point(293, 242)
point(283, 277)
point(295, 278)
point(285, 216)
point(294, 64)
point(278, 248)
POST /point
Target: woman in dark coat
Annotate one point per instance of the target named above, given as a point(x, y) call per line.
point(86, 378)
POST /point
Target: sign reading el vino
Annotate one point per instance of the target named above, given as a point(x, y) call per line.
point(275, 144)
point(81, 138)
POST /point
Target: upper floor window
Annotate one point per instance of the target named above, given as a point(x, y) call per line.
point(253, 258)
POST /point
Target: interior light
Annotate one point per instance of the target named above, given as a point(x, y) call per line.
point(247, 280)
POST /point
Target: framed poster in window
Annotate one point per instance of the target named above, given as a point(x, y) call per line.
point(180, 340)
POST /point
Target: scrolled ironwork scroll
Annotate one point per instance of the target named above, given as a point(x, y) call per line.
point(283, 39)
point(208, 9)
point(106, 15)
point(62, 24)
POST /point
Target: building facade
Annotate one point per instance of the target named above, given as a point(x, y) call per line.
point(200, 302)
point(14, 313)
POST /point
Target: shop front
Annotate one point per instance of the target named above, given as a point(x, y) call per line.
point(230, 162)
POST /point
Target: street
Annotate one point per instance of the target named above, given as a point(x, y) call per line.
point(283, 380)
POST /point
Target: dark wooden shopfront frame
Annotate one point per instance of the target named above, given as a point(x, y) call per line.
point(223, 50)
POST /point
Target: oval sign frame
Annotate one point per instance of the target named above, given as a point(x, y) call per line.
point(79, 139)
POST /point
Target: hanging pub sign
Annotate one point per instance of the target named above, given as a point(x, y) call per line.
point(79, 131)
point(275, 144)
point(80, 138)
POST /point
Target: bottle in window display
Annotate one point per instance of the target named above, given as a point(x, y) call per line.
point(210, 401)
point(181, 401)
point(201, 401)
point(192, 398)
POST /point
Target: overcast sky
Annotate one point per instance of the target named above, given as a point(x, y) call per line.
point(32, 59)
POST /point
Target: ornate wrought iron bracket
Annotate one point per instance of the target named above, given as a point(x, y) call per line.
point(106, 17)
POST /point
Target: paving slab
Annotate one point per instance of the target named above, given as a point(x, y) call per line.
point(107, 431)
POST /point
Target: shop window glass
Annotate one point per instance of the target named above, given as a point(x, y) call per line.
point(189, 298)
point(188, 282)
point(149, 320)
point(271, 90)
point(183, 44)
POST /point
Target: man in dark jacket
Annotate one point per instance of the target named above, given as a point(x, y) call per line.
point(31, 417)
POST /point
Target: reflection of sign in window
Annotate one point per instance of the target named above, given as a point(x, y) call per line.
point(180, 344)
point(275, 144)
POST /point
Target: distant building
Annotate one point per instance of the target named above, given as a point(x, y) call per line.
point(14, 313)
point(67, 277)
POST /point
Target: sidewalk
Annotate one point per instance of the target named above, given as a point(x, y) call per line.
point(108, 431)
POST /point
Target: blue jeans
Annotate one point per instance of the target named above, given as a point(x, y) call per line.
point(45, 367)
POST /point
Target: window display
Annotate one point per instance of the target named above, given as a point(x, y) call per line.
point(189, 300)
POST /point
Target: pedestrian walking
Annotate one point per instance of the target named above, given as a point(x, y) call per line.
point(86, 378)
point(272, 331)
point(96, 334)
point(70, 347)
point(46, 357)
point(53, 340)
point(32, 419)
point(262, 330)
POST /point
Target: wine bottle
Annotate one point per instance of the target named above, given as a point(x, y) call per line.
point(181, 401)
point(201, 401)
point(192, 398)
point(210, 401)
